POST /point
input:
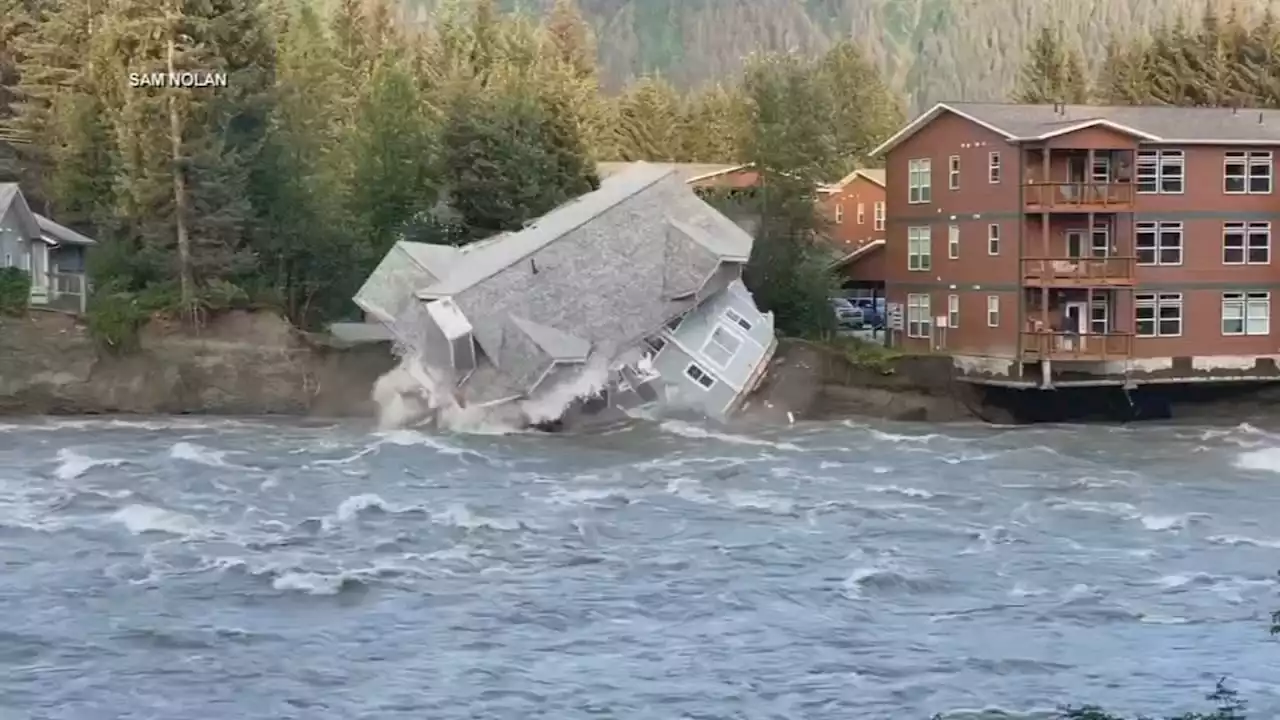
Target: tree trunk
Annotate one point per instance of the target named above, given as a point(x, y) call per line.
point(186, 279)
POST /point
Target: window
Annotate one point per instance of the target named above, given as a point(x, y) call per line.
point(993, 239)
point(721, 346)
point(463, 348)
point(700, 376)
point(953, 173)
point(839, 213)
point(1099, 323)
point(919, 248)
point(736, 318)
point(1100, 243)
point(918, 182)
point(655, 343)
point(1159, 243)
point(1161, 172)
point(993, 311)
point(862, 213)
point(1246, 173)
point(953, 242)
point(1246, 313)
point(919, 322)
point(1246, 243)
point(953, 311)
point(1158, 315)
point(993, 168)
point(879, 216)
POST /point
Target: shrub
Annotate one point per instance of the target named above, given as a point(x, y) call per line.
point(15, 291)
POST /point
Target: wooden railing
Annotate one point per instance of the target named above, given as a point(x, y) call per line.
point(1082, 271)
point(1078, 195)
point(1055, 345)
point(68, 291)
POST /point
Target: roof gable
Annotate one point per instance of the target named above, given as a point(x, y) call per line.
point(872, 175)
point(557, 344)
point(11, 198)
point(60, 233)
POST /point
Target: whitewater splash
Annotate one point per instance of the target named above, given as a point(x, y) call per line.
point(410, 394)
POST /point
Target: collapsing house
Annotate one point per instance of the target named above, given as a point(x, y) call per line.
point(623, 297)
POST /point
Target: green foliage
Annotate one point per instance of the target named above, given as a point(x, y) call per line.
point(863, 354)
point(1052, 72)
point(15, 291)
point(1226, 700)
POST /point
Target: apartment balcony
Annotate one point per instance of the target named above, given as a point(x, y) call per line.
point(1078, 197)
point(1054, 345)
point(1081, 272)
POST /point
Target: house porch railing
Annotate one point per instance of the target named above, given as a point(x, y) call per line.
point(1078, 195)
point(64, 291)
point(1079, 270)
point(1057, 345)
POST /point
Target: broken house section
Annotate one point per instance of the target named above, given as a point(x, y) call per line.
point(628, 295)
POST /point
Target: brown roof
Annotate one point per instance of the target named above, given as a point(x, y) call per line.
point(1162, 124)
point(875, 175)
point(687, 171)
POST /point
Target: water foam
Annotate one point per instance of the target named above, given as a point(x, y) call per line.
point(72, 464)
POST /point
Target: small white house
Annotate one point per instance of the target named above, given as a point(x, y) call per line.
point(53, 254)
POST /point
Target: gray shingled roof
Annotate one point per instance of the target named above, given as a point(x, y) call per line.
point(435, 259)
point(557, 344)
point(61, 233)
point(686, 171)
point(1161, 123)
point(8, 191)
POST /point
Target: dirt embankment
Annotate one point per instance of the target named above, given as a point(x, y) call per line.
point(240, 363)
point(814, 383)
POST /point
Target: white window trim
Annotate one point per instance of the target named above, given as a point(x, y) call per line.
point(993, 239)
point(839, 213)
point(994, 169)
point(731, 352)
point(953, 311)
point(1159, 159)
point(862, 213)
point(879, 215)
point(920, 248)
point(921, 304)
point(919, 181)
point(1250, 306)
point(705, 373)
point(993, 311)
point(736, 319)
point(953, 242)
point(953, 172)
point(1247, 162)
point(1246, 232)
point(1159, 229)
point(1157, 302)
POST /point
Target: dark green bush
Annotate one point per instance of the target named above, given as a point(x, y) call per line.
point(15, 291)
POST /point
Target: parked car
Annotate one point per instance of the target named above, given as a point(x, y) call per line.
point(850, 318)
point(839, 303)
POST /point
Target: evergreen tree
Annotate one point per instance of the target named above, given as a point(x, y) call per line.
point(1051, 73)
point(648, 126)
point(865, 111)
point(1124, 78)
point(713, 121)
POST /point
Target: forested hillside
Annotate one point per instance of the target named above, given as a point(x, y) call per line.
point(931, 50)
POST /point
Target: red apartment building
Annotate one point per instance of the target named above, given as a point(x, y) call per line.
point(1046, 245)
point(854, 209)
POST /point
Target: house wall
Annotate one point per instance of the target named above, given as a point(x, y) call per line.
point(847, 232)
point(974, 205)
point(869, 268)
point(672, 363)
point(68, 259)
point(14, 245)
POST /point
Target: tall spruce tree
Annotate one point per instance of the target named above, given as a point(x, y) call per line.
point(865, 111)
point(1051, 72)
point(648, 122)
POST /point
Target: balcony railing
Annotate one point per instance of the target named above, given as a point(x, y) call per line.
point(1078, 272)
point(1055, 345)
point(1097, 196)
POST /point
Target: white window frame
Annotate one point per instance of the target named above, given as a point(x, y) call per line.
point(994, 170)
point(1161, 172)
point(879, 215)
point(953, 311)
point(953, 172)
point(735, 318)
point(919, 181)
point(862, 213)
point(1159, 233)
point(839, 213)
point(993, 311)
point(1252, 310)
point(918, 307)
point(695, 367)
point(1240, 169)
point(731, 352)
point(1156, 304)
point(993, 239)
point(8, 260)
point(920, 248)
point(953, 242)
point(1246, 243)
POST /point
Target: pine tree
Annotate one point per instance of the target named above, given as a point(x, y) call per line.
point(1124, 78)
point(648, 122)
point(713, 122)
point(572, 39)
point(865, 110)
point(1051, 73)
